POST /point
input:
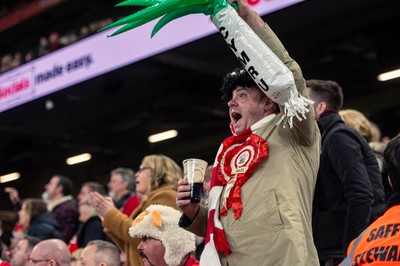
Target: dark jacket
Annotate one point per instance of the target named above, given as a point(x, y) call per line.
point(119, 203)
point(349, 193)
point(92, 229)
point(44, 227)
point(67, 215)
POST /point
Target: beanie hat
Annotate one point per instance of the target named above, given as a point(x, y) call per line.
point(161, 222)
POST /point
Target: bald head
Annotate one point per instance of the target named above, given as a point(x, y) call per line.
point(54, 251)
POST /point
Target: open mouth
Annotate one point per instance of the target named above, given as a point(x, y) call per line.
point(141, 254)
point(235, 117)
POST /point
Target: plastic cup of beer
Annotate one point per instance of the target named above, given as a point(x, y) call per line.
point(194, 171)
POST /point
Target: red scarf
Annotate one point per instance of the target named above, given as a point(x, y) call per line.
point(237, 158)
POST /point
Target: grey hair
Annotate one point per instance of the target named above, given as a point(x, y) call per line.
point(105, 252)
point(127, 175)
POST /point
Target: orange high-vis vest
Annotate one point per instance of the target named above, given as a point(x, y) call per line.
point(379, 244)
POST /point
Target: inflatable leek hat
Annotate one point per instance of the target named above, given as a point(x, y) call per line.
point(270, 74)
point(161, 222)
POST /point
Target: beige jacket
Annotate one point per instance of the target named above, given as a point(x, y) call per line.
point(275, 225)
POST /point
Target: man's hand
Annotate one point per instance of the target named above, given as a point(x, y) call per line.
point(13, 194)
point(183, 201)
point(248, 14)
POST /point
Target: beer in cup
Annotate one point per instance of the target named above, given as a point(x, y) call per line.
point(194, 171)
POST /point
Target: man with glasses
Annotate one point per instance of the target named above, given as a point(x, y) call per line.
point(21, 252)
point(52, 252)
point(163, 242)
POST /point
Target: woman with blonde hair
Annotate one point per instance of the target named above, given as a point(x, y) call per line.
point(156, 181)
point(357, 121)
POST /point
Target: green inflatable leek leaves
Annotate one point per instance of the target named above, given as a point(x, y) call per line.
point(168, 10)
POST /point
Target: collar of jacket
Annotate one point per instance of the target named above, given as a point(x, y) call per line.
point(328, 120)
point(52, 204)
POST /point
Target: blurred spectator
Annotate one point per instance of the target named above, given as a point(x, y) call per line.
point(6, 63)
point(200, 241)
point(122, 187)
point(358, 121)
point(88, 187)
point(36, 220)
point(75, 256)
point(2, 261)
point(16, 60)
point(8, 219)
point(29, 56)
point(84, 32)
point(104, 22)
point(14, 197)
point(21, 252)
point(64, 41)
point(51, 251)
point(206, 184)
point(54, 41)
point(157, 179)
point(91, 227)
point(82, 198)
point(72, 37)
point(376, 132)
point(100, 253)
point(93, 27)
point(61, 204)
point(43, 47)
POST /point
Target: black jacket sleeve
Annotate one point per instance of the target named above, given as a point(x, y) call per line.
point(347, 158)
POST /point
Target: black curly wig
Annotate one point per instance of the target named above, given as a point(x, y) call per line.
point(238, 77)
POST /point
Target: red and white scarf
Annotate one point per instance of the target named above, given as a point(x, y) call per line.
point(236, 160)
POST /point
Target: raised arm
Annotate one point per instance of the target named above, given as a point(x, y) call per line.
point(306, 128)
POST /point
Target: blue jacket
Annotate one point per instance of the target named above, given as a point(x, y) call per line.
point(44, 227)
